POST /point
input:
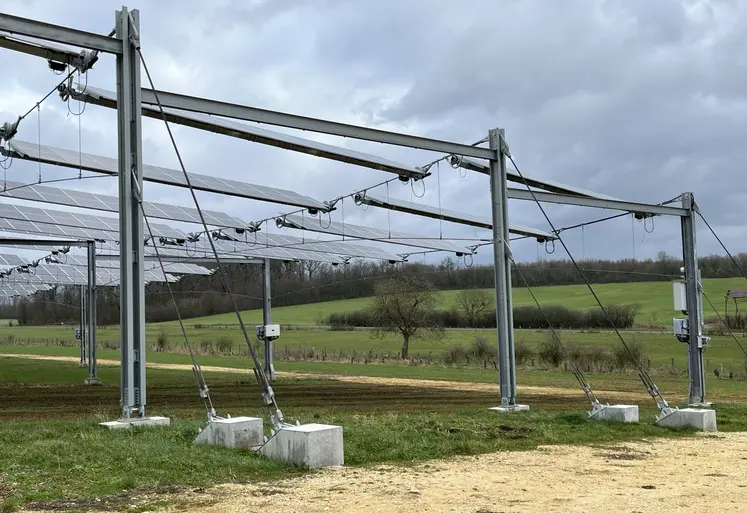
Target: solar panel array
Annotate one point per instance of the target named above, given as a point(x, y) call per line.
point(447, 215)
point(73, 275)
point(11, 288)
point(89, 200)
point(73, 219)
point(256, 134)
point(202, 249)
point(7, 225)
point(364, 232)
point(8, 260)
point(346, 248)
point(157, 174)
point(171, 267)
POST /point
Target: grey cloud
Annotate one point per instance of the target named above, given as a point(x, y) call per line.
point(637, 99)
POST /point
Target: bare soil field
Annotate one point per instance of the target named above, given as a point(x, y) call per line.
point(703, 473)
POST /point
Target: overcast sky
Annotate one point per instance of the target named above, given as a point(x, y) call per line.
point(637, 99)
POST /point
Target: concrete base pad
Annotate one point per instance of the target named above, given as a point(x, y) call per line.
point(616, 413)
point(143, 422)
point(244, 432)
point(516, 408)
point(92, 381)
point(703, 420)
point(307, 445)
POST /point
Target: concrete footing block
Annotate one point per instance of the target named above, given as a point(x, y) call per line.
point(136, 422)
point(307, 445)
point(701, 419)
point(627, 413)
point(242, 432)
point(514, 408)
point(92, 381)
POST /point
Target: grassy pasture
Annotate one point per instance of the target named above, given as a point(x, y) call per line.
point(56, 457)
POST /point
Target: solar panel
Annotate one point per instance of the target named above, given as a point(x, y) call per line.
point(255, 134)
point(364, 232)
point(447, 215)
point(171, 267)
point(532, 181)
point(346, 248)
point(11, 288)
point(75, 220)
point(273, 253)
point(89, 200)
point(13, 226)
point(7, 260)
point(156, 174)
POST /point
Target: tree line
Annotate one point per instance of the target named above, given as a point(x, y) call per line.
point(309, 282)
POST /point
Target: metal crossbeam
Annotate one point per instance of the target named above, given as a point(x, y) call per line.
point(610, 204)
point(270, 117)
point(54, 53)
point(409, 207)
point(253, 133)
point(59, 34)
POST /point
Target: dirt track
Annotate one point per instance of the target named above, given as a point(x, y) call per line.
point(421, 383)
point(704, 473)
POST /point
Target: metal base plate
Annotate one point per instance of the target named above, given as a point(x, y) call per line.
point(93, 381)
point(138, 422)
point(514, 408)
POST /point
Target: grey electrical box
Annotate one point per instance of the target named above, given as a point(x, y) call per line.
point(680, 296)
point(270, 331)
point(682, 329)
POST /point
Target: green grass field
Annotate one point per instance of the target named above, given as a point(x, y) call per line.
point(56, 457)
point(382, 423)
point(655, 299)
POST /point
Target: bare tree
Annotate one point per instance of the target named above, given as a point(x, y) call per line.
point(312, 267)
point(405, 305)
point(473, 303)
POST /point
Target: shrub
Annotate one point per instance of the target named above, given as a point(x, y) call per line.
point(588, 358)
point(162, 342)
point(482, 349)
point(525, 317)
point(522, 352)
point(628, 358)
point(453, 355)
point(206, 347)
point(224, 346)
point(550, 351)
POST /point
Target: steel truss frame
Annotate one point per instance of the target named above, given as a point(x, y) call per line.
point(130, 98)
point(87, 300)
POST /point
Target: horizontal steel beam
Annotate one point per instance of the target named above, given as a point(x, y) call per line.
point(271, 117)
point(13, 241)
point(59, 34)
point(583, 201)
point(55, 54)
point(198, 260)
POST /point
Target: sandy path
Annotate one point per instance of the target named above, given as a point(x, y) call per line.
point(426, 383)
point(704, 473)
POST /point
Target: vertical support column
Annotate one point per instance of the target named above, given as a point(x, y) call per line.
point(267, 316)
point(502, 270)
point(511, 355)
point(82, 329)
point(92, 378)
point(696, 340)
point(132, 286)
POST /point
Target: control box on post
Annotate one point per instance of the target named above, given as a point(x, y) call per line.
point(268, 332)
